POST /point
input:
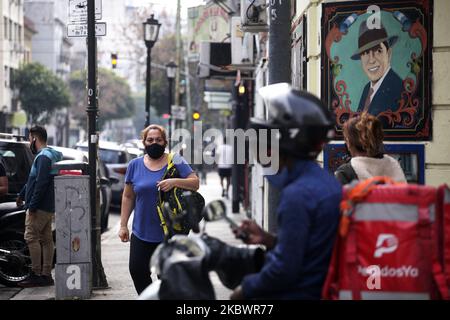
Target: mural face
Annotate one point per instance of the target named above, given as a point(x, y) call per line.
point(377, 58)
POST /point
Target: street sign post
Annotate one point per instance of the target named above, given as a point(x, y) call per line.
point(81, 30)
point(78, 11)
point(178, 112)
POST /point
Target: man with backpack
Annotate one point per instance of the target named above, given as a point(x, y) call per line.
point(308, 213)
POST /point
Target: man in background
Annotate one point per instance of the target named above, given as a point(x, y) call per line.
point(39, 196)
point(224, 157)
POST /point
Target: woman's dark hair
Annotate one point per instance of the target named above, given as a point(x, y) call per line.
point(39, 133)
point(364, 133)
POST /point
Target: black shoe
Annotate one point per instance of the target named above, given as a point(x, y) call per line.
point(33, 280)
point(47, 281)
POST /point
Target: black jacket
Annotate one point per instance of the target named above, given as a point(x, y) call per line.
point(345, 173)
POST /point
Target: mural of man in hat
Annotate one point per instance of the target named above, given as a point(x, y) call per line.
point(384, 89)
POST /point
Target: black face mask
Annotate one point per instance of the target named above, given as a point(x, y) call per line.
point(33, 147)
point(155, 150)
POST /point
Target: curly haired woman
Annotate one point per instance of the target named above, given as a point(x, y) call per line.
point(364, 139)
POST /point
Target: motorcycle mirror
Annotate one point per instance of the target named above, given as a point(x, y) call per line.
point(215, 210)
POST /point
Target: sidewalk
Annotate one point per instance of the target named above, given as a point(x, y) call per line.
point(115, 257)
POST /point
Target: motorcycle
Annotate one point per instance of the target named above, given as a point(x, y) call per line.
point(182, 263)
point(15, 260)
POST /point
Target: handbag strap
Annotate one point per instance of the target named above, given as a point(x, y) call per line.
point(159, 205)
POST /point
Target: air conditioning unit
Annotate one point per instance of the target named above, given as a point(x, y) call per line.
point(254, 16)
point(241, 44)
point(215, 60)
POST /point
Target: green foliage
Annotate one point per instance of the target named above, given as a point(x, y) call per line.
point(114, 98)
point(40, 91)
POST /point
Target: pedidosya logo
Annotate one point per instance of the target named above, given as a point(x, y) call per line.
point(386, 243)
point(390, 272)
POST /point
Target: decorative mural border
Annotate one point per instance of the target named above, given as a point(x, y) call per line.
point(411, 119)
point(335, 154)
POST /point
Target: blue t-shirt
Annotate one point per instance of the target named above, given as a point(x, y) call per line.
point(146, 223)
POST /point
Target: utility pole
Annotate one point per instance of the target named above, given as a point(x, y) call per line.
point(148, 86)
point(98, 274)
point(178, 58)
point(170, 113)
point(188, 94)
point(279, 71)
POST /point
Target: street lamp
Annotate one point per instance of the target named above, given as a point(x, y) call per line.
point(171, 69)
point(151, 31)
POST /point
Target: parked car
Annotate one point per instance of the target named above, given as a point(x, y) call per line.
point(116, 159)
point(17, 158)
point(134, 152)
point(135, 143)
point(102, 174)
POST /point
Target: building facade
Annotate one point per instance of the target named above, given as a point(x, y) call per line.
point(435, 166)
point(29, 32)
point(11, 55)
point(421, 55)
point(51, 47)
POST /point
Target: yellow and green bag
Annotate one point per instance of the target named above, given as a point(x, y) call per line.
point(183, 220)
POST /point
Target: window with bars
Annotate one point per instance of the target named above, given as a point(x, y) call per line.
point(5, 27)
point(6, 75)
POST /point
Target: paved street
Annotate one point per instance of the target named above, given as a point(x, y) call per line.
point(115, 258)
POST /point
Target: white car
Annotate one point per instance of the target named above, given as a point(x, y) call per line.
point(116, 159)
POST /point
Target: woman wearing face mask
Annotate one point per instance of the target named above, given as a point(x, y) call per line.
point(143, 179)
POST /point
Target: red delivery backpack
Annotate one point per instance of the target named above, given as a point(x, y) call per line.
point(443, 222)
point(391, 243)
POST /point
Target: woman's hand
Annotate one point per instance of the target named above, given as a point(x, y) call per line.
point(124, 234)
point(167, 184)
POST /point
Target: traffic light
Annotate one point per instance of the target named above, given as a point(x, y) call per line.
point(114, 60)
point(196, 115)
point(241, 89)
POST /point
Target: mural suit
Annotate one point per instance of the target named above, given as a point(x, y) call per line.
point(385, 86)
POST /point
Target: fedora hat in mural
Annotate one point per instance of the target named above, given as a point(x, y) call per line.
point(369, 38)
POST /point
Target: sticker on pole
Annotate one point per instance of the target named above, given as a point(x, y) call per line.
point(78, 10)
point(81, 30)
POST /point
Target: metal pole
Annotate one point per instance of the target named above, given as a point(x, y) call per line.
point(170, 113)
point(188, 94)
point(148, 87)
point(178, 54)
point(280, 42)
point(98, 274)
point(279, 71)
point(237, 106)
